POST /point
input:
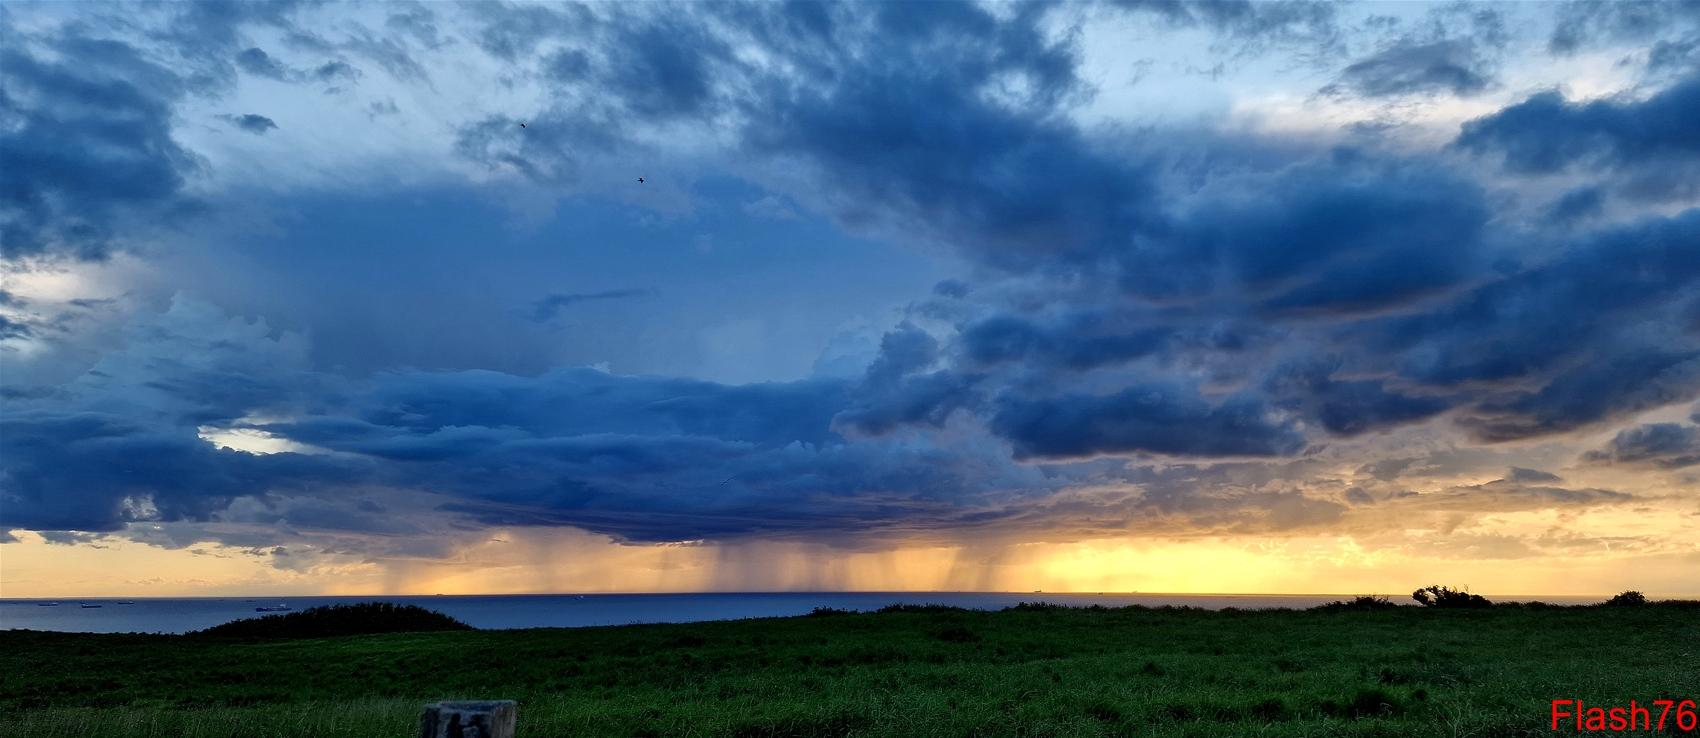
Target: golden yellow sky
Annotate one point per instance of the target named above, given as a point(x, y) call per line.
point(540, 560)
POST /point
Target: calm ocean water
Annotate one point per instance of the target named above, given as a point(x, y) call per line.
point(177, 615)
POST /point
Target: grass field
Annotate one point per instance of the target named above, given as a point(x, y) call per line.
point(1020, 672)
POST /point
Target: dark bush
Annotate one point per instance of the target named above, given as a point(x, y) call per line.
point(1361, 602)
point(921, 608)
point(338, 620)
point(823, 612)
point(1631, 598)
point(1436, 595)
point(1038, 606)
point(1684, 604)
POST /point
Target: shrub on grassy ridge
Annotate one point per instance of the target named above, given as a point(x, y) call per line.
point(1039, 606)
point(338, 620)
point(1436, 595)
point(921, 608)
point(1630, 598)
point(1684, 604)
point(1361, 602)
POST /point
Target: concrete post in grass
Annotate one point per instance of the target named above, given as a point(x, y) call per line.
point(483, 719)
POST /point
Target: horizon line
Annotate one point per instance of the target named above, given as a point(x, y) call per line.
point(1072, 593)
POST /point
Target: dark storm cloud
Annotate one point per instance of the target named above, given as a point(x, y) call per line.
point(953, 288)
point(257, 62)
point(89, 116)
point(646, 458)
point(1348, 233)
point(1399, 256)
point(1640, 379)
point(673, 74)
point(1346, 407)
point(896, 115)
point(1152, 418)
point(1660, 445)
point(1141, 293)
point(1541, 351)
point(95, 472)
point(1453, 66)
point(87, 141)
point(898, 389)
point(926, 399)
point(547, 308)
point(1578, 204)
point(1081, 341)
point(906, 139)
point(643, 458)
point(251, 123)
point(1546, 133)
point(656, 68)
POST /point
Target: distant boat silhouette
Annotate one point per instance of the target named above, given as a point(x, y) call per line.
point(124, 602)
point(46, 604)
point(88, 606)
point(279, 607)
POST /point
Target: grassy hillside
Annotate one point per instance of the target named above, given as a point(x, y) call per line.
point(1020, 672)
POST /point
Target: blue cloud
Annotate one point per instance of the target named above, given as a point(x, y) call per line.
point(1149, 418)
point(1452, 66)
point(1122, 292)
point(251, 123)
point(88, 142)
point(1546, 133)
point(95, 471)
point(257, 62)
point(1581, 23)
point(1661, 445)
point(547, 308)
point(1350, 233)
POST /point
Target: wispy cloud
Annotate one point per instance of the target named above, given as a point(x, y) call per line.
point(547, 308)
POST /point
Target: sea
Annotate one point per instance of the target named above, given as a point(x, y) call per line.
point(183, 614)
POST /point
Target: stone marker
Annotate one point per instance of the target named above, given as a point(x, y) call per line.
point(483, 719)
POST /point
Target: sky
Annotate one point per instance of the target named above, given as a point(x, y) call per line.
point(1154, 295)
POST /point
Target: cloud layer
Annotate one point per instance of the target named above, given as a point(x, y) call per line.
point(1219, 327)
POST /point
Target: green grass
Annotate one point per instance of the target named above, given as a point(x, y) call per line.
point(1020, 672)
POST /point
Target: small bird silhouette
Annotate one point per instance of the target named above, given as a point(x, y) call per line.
point(522, 125)
point(640, 180)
